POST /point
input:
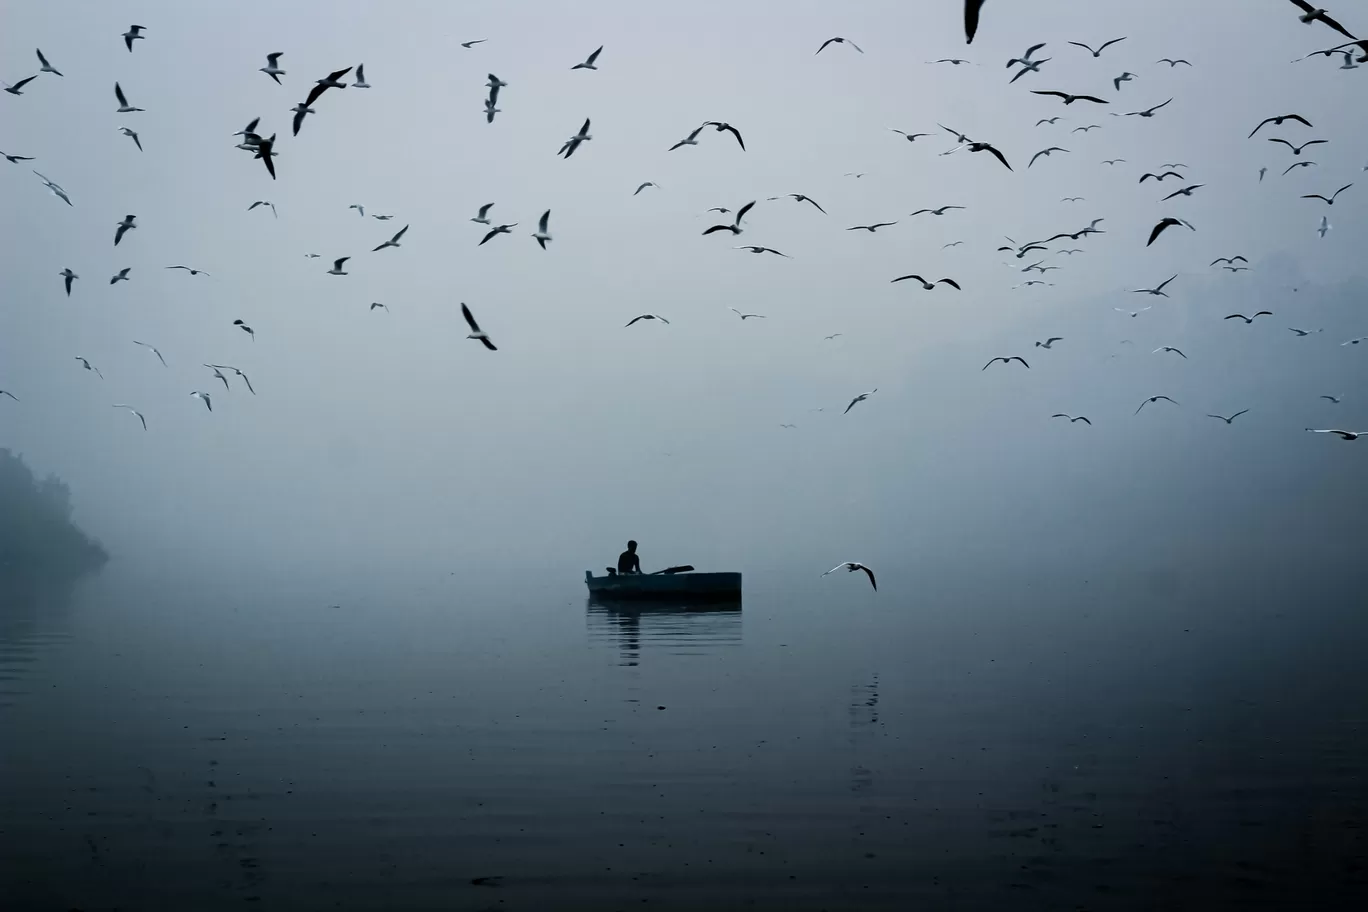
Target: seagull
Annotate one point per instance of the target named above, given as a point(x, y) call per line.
point(1228, 260)
point(1070, 251)
point(271, 69)
point(265, 148)
point(219, 374)
point(311, 256)
point(1355, 341)
point(1186, 191)
point(645, 185)
point(1310, 14)
point(646, 317)
point(1168, 348)
point(1069, 99)
point(1165, 223)
point(470, 44)
point(985, 147)
point(361, 210)
point(832, 336)
point(1024, 250)
point(337, 266)
point(1100, 49)
point(959, 137)
point(1278, 121)
point(332, 81)
point(193, 272)
point(394, 241)
point(1349, 63)
point(589, 61)
point(1124, 77)
point(910, 137)
point(1133, 313)
point(735, 226)
point(249, 131)
point(1028, 66)
point(1049, 120)
point(18, 86)
point(871, 228)
point(853, 44)
point(245, 328)
point(802, 198)
point(1344, 435)
point(483, 217)
point(123, 228)
point(690, 140)
point(745, 316)
point(721, 127)
point(928, 286)
point(16, 159)
point(1113, 161)
point(495, 83)
point(1305, 164)
point(972, 9)
point(133, 35)
point(956, 61)
point(1026, 57)
point(1159, 177)
point(542, 234)
point(1049, 342)
point(1331, 200)
point(300, 110)
point(360, 77)
point(1248, 320)
point(852, 566)
point(1236, 268)
point(375, 304)
point(1262, 172)
point(1334, 400)
point(1006, 360)
point(1073, 199)
point(941, 211)
point(203, 397)
point(122, 276)
point(67, 276)
point(152, 350)
point(573, 143)
point(1083, 130)
point(753, 248)
point(475, 331)
point(788, 425)
point(135, 412)
point(1303, 332)
point(264, 203)
point(490, 110)
point(1044, 152)
point(124, 106)
point(47, 67)
point(860, 398)
point(1172, 63)
point(497, 229)
point(1072, 419)
point(1324, 226)
point(1297, 150)
point(1148, 112)
point(86, 365)
point(217, 367)
point(1231, 419)
point(1155, 399)
point(951, 244)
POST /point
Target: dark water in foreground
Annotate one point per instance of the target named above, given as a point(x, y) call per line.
point(1029, 744)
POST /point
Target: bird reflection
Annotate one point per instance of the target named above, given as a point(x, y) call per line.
point(677, 628)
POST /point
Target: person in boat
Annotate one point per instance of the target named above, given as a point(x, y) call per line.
point(628, 562)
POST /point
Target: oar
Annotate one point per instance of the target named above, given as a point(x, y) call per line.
point(683, 568)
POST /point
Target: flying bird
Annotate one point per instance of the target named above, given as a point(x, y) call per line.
point(490, 110)
point(860, 398)
point(122, 275)
point(300, 110)
point(1069, 99)
point(470, 44)
point(394, 241)
point(265, 149)
point(124, 106)
point(135, 412)
point(332, 81)
point(16, 159)
point(1163, 224)
point(645, 185)
point(1324, 225)
point(1133, 313)
point(852, 566)
point(264, 203)
point(721, 127)
point(972, 9)
point(542, 234)
point(1159, 177)
point(1148, 112)
point(271, 68)
point(1344, 435)
point(1100, 49)
point(871, 228)
point(1311, 13)
point(483, 217)
point(910, 137)
point(361, 77)
point(1186, 191)
point(1113, 161)
point(223, 367)
point(203, 397)
point(1248, 320)
point(1049, 342)
point(985, 147)
point(941, 211)
point(853, 44)
point(67, 277)
point(47, 67)
point(646, 317)
point(690, 140)
point(152, 350)
point(1026, 57)
point(1155, 399)
point(360, 209)
point(1172, 63)
point(955, 61)
point(1083, 130)
point(193, 272)
point(801, 198)
point(1045, 152)
point(475, 331)
point(245, 328)
point(1028, 66)
point(1297, 150)
point(1233, 259)
point(1231, 419)
point(1124, 77)
point(1331, 200)
point(497, 229)
point(377, 304)
point(1303, 332)
point(588, 63)
point(123, 228)
point(1169, 348)
point(17, 88)
point(928, 286)
point(1072, 419)
point(1335, 400)
point(745, 316)
point(573, 143)
point(133, 34)
point(753, 248)
point(1007, 360)
point(1262, 172)
point(337, 266)
point(86, 364)
point(1305, 164)
point(735, 226)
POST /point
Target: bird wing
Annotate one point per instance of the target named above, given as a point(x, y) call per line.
point(951, 282)
point(809, 199)
point(299, 120)
point(1238, 414)
point(634, 319)
point(972, 9)
point(1262, 123)
point(492, 233)
point(1000, 156)
point(1237, 317)
point(734, 132)
point(485, 208)
point(824, 46)
point(1107, 44)
point(266, 157)
point(1283, 141)
point(541, 224)
point(741, 213)
point(469, 318)
point(1076, 44)
point(119, 94)
point(1158, 229)
point(901, 278)
point(706, 231)
point(337, 264)
point(990, 362)
point(1048, 92)
point(1017, 358)
point(400, 234)
point(584, 130)
point(869, 573)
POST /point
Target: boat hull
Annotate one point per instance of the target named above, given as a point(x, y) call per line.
point(667, 586)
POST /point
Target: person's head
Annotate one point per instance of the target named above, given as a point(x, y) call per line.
point(631, 546)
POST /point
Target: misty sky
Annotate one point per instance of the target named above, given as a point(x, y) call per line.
point(389, 438)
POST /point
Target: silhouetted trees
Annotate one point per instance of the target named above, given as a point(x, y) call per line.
point(37, 536)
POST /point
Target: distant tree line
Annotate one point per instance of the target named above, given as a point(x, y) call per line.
point(37, 536)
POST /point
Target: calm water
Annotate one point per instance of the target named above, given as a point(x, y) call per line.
point(1030, 742)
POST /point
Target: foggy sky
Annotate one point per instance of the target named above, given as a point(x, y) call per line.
point(388, 438)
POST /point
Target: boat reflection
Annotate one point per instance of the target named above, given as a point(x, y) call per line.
point(669, 626)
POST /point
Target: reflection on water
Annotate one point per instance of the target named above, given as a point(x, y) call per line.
point(673, 627)
point(34, 618)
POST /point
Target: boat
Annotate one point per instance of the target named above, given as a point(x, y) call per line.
point(666, 586)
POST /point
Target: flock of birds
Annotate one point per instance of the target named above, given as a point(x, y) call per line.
point(264, 148)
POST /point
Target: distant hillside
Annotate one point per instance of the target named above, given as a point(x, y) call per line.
point(37, 536)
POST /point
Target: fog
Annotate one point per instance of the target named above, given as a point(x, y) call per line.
point(387, 439)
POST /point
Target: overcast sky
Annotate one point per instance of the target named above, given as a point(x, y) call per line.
point(388, 437)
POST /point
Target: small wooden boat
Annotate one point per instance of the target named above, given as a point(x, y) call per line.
point(699, 586)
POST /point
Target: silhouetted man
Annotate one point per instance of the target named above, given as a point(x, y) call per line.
point(628, 562)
